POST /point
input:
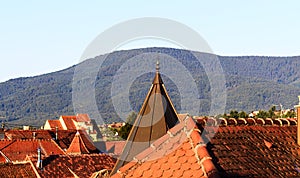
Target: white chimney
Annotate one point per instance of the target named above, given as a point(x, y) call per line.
point(39, 164)
point(56, 133)
point(33, 135)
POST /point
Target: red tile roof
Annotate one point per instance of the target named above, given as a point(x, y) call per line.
point(179, 153)
point(55, 124)
point(77, 146)
point(17, 150)
point(83, 118)
point(115, 147)
point(3, 158)
point(65, 137)
point(16, 170)
point(28, 134)
point(74, 165)
point(69, 122)
point(253, 151)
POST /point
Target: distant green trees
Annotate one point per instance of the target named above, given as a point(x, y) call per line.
point(125, 130)
point(290, 114)
point(235, 114)
point(251, 84)
point(243, 114)
point(271, 113)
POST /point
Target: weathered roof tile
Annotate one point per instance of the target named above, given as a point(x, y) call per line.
point(177, 162)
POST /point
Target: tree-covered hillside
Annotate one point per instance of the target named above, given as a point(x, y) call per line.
point(252, 83)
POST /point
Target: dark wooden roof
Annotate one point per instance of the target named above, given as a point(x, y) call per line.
point(156, 117)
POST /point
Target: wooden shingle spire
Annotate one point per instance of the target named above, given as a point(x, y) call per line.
point(156, 117)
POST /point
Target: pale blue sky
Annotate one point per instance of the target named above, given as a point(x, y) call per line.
point(40, 37)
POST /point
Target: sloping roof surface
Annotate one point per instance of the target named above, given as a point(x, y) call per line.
point(254, 151)
point(179, 153)
point(17, 150)
point(16, 170)
point(83, 118)
point(80, 165)
point(77, 146)
point(55, 124)
point(64, 140)
point(69, 122)
point(156, 117)
point(27, 134)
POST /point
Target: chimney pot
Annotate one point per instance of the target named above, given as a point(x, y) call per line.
point(39, 161)
point(56, 133)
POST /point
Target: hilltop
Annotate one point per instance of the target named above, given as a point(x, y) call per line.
point(252, 82)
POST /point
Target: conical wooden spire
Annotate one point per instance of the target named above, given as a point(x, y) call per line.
point(156, 117)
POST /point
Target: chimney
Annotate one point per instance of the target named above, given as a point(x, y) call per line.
point(39, 164)
point(56, 133)
point(298, 121)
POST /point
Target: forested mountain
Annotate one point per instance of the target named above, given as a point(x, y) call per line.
point(252, 82)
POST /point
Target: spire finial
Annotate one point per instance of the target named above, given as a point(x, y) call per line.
point(157, 66)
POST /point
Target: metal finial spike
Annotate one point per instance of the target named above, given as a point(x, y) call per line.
point(157, 66)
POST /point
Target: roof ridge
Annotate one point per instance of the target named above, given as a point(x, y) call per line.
point(279, 122)
point(191, 134)
point(80, 142)
point(6, 158)
point(202, 156)
point(72, 172)
point(33, 167)
point(83, 143)
point(58, 146)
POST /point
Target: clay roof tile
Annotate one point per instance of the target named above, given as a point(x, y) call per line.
point(176, 162)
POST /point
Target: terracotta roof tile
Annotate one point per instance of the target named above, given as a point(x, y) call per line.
point(156, 173)
point(55, 124)
point(253, 151)
point(27, 134)
point(69, 122)
point(16, 170)
point(114, 147)
point(77, 146)
point(83, 118)
point(80, 165)
point(17, 150)
point(179, 173)
point(177, 162)
point(64, 140)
